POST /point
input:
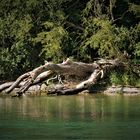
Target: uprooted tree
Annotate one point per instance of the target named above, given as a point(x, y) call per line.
point(89, 74)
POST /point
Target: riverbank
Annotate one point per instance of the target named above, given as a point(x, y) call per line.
point(125, 90)
point(38, 90)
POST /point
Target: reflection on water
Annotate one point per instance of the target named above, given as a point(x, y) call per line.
point(71, 107)
point(111, 116)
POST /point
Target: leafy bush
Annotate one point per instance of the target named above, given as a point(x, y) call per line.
point(51, 40)
point(123, 78)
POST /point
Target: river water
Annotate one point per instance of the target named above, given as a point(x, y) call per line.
point(83, 117)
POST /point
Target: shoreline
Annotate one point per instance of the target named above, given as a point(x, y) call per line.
point(124, 90)
point(36, 90)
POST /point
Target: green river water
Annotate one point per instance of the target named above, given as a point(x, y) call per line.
point(83, 117)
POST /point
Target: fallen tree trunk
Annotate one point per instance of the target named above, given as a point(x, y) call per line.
point(88, 73)
point(5, 86)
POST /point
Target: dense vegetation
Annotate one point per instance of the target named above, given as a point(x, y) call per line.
point(32, 31)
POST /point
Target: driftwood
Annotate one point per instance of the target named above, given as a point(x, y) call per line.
point(88, 73)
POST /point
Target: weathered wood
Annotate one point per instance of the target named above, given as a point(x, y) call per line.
point(85, 85)
point(40, 78)
point(90, 73)
point(17, 82)
point(91, 80)
point(5, 85)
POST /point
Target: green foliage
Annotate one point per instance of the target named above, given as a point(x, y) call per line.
point(136, 41)
point(115, 79)
point(32, 31)
point(51, 40)
point(103, 36)
point(137, 50)
point(135, 9)
point(106, 39)
point(138, 83)
point(20, 24)
point(123, 78)
point(14, 61)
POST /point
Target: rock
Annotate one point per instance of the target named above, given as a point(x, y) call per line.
point(122, 89)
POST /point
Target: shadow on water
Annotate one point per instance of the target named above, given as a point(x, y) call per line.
point(70, 117)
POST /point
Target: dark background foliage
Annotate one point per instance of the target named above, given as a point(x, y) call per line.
point(32, 31)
